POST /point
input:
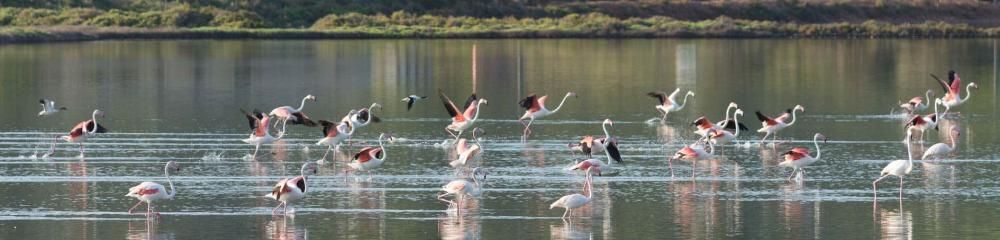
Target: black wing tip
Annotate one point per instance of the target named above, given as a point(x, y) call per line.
point(615, 154)
point(951, 75)
point(760, 116)
point(41, 100)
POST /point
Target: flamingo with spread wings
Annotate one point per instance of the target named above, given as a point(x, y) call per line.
point(461, 118)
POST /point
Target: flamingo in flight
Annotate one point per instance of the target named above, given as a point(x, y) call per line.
point(898, 168)
point(941, 150)
point(590, 145)
point(295, 115)
point(81, 132)
point(721, 136)
point(49, 107)
point(461, 119)
point(535, 108)
point(917, 103)
point(693, 152)
point(371, 157)
point(462, 188)
point(703, 124)
point(922, 123)
point(952, 97)
point(772, 126)
point(667, 104)
point(259, 124)
point(291, 190)
point(798, 158)
point(468, 153)
point(334, 134)
point(410, 100)
point(149, 192)
point(573, 201)
point(362, 117)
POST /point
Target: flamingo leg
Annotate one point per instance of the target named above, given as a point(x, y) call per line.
point(767, 134)
point(134, 206)
point(663, 120)
point(328, 149)
point(565, 213)
point(275, 210)
point(459, 135)
point(450, 132)
point(450, 202)
point(900, 187)
point(527, 128)
point(283, 124)
point(256, 149)
point(875, 185)
point(793, 174)
point(81, 150)
point(670, 164)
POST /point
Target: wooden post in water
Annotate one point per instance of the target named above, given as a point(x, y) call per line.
point(474, 79)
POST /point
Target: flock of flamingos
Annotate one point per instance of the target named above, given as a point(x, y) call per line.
point(470, 151)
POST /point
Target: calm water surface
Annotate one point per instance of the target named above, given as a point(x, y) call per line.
point(179, 100)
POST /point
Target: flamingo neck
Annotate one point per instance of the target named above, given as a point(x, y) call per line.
point(736, 121)
point(607, 136)
point(968, 93)
point(474, 138)
point(93, 118)
point(936, 102)
point(711, 148)
point(818, 151)
point(351, 132)
point(476, 117)
point(683, 103)
point(303, 104)
point(927, 96)
point(727, 113)
point(166, 172)
point(560, 104)
point(793, 117)
point(380, 146)
point(909, 154)
point(589, 185)
point(370, 110)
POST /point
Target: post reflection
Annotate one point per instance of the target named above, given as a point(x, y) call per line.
point(146, 230)
point(579, 229)
point(284, 228)
point(454, 226)
point(895, 224)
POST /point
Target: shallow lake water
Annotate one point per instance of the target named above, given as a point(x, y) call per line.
point(180, 101)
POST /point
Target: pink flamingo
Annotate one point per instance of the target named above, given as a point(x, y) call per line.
point(467, 153)
point(952, 97)
point(149, 192)
point(798, 158)
point(535, 108)
point(590, 145)
point(334, 134)
point(667, 104)
point(721, 136)
point(692, 152)
point(363, 117)
point(573, 201)
point(922, 123)
point(370, 157)
point(81, 132)
point(703, 124)
point(461, 188)
point(461, 120)
point(772, 126)
point(291, 190)
point(295, 115)
point(917, 103)
point(259, 124)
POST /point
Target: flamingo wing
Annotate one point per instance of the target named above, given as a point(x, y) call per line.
point(253, 117)
point(686, 152)
point(329, 128)
point(611, 145)
point(944, 85)
point(453, 111)
point(917, 120)
point(794, 155)
point(99, 128)
point(528, 102)
point(366, 154)
point(660, 96)
point(461, 145)
point(587, 144)
point(731, 125)
point(280, 188)
point(299, 182)
point(702, 123)
point(470, 111)
point(955, 82)
point(301, 118)
point(800, 150)
point(767, 121)
point(469, 102)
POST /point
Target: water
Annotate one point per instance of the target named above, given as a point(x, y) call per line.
point(179, 100)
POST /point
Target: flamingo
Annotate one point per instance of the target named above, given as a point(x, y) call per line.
point(535, 108)
point(149, 192)
point(461, 120)
point(49, 107)
point(590, 145)
point(952, 97)
point(461, 188)
point(667, 104)
point(798, 158)
point(576, 200)
point(692, 152)
point(703, 124)
point(334, 134)
point(917, 103)
point(371, 157)
point(259, 124)
point(81, 132)
point(597, 166)
point(467, 152)
point(291, 190)
point(922, 123)
point(731, 123)
point(899, 168)
point(772, 126)
point(411, 99)
point(721, 136)
point(362, 117)
point(941, 150)
point(287, 113)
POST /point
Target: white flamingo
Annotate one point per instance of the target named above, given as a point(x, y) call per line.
point(49, 107)
point(922, 123)
point(362, 117)
point(798, 158)
point(942, 150)
point(590, 145)
point(667, 104)
point(573, 201)
point(149, 192)
point(721, 136)
point(468, 153)
point(898, 168)
point(535, 108)
point(917, 103)
point(693, 152)
point(334, 134)
point(462, 188)
point(291, 190)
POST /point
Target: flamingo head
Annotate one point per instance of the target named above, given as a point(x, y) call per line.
point(477, 171)
point(387, 136)
point(955, 130)
point(310, 168)
point(732, 105)
point(690, 93)
point(98, 112)
point(376, 105)
point(406, 99)
point(608, 122)
point(952, 75)
point(483, 100)
point(799, 108)
point(930, 93)
point(974, 85)
point(738, 112)
point(173, 167)
point(478, 131)
point(819, 136)
point(573, 94)
point(311, 97)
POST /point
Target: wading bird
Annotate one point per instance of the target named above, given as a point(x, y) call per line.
point(363, 117)
point(291, 190)
point(667, 104)
point(772, 126)
point(149, 192)
point(468, 153)
point(590, 145)
point(693, 152)
point(898, 168)
point(49, 107)
point(334, 134)
point(259, 124)
point(703, 124)
point(952, 97)
point(462, 188)
point(573, 201)
point(721, 136)
point(922, 123)
point(917, 103)
point(81, 132)
point(942, 150)
point(371, 157)
point(535, 108)
point(798, 158)
point(461, 119)
point(295, 115)
point(410, 100)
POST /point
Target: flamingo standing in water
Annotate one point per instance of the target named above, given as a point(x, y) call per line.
point(149, 192)
point(535, 108)
point(462, 188)
point(721, 136)
point(259, 124)
point(772, 126)
point(410, 100)
point(461, 119)
point(291, 190)
point(295, 115)
point(573, 201)
point(590, 145)
point(334, 134)
point(80, 132)
point(941, 150)
point(899, 168)
point(703, 124)
point(49, 107)
point(798, 158)
point(693, 152)
point(667, 104)
point(371, 157)
point(468, 153)
point(922, 123)
point(917, 103)
point(362, 117)
point(952, 97)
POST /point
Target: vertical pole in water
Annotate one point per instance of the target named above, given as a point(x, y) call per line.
point(474, 80)
point(520, 84)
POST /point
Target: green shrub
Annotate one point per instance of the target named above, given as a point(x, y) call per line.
point(239, 19)
point(115, 18)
